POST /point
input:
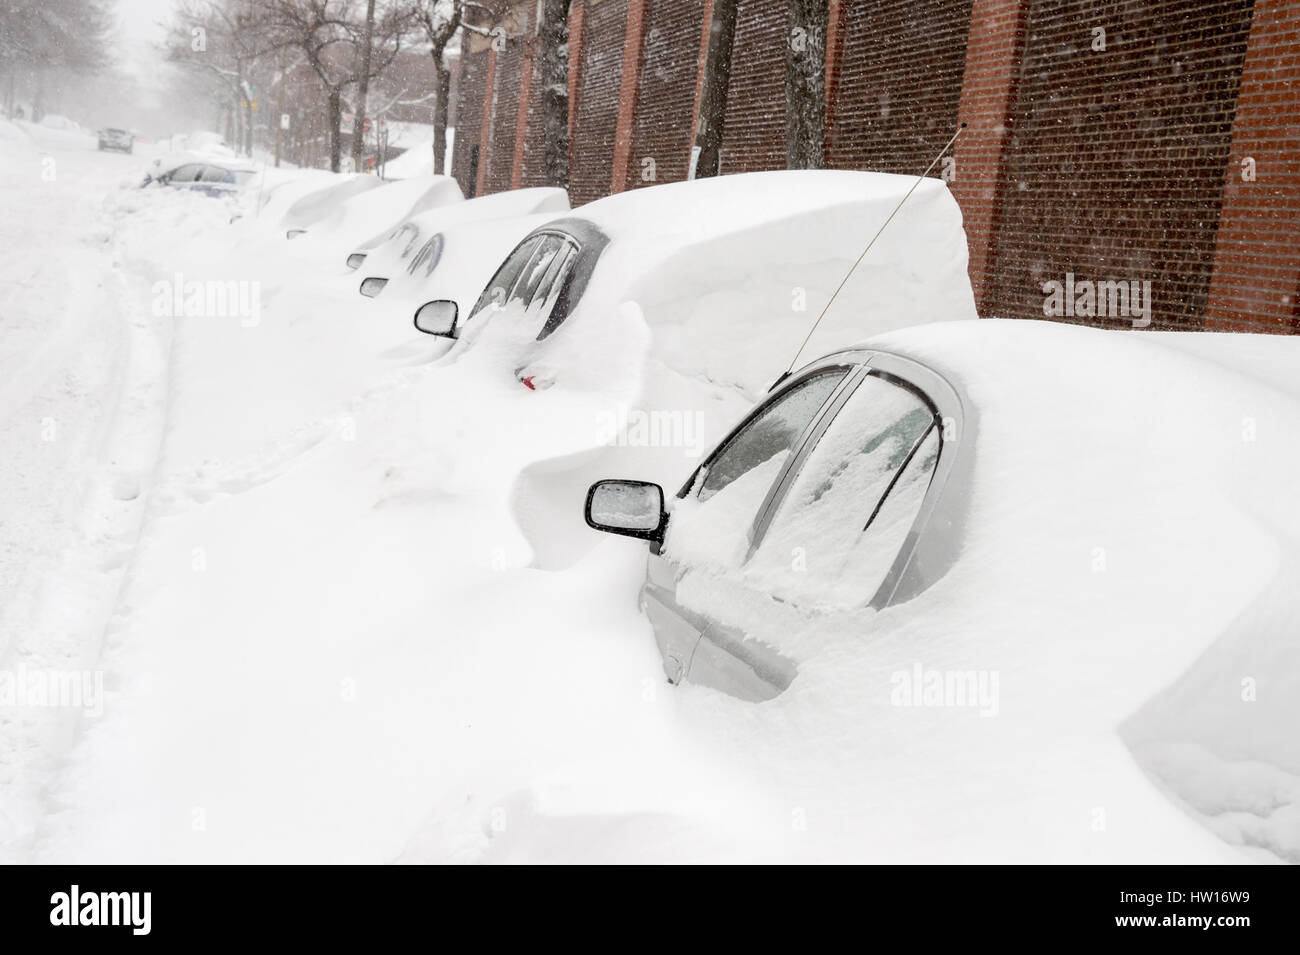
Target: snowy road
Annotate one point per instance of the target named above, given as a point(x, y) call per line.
point(80, 422)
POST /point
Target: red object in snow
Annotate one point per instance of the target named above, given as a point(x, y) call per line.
point(528, 383)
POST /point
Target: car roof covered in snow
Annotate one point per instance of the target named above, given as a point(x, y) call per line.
point(701, 208)
point(728, 274)
point(515, 202)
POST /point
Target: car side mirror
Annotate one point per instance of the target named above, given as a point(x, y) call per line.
point(372, 286)
point(438, 318)
point(630, 508)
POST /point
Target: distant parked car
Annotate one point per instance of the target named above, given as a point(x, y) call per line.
point(119, 140)
point(210, 178)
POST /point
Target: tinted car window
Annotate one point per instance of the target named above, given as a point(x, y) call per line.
point(774, 431)
point(215, 174)
point(532, 279)
point(506, 276)
point(712, 524)
point(428, 257)
point(846, 515)
point(408, 234)
point(185, 173)
point(542, 302)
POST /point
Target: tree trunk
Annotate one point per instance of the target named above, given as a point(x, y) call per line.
point(248, 128)
point(805, 85)
point(713, 98)
point(553, 41)
point(363, 90)
point(336, 126)
point(38, 98)
point(441, 110)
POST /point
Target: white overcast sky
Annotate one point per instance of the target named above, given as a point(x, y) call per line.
point(142, 24)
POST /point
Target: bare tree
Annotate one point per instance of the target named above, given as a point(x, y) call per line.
point(363, 86)
point(40, 35)
point(439, 20)
point(713, 96)
point(226, 42)
point(331, 36)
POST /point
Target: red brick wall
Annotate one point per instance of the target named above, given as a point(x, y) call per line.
point(1115, 169)
point(469, 111)
point(990, 83)
point(599, 78)
point(510, 65)
point(1256, 281)
point(662, 124)
point(629, 83)
point(753, 133)
point(897, 84)
point(1115, 164)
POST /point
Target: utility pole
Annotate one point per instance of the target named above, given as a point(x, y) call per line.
point(280, 115)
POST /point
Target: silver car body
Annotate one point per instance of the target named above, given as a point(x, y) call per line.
point(706, 651)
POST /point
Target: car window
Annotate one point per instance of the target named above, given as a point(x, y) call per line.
point(428, 257)
point(846, 515)
point(774, 431)
point(532, 278)
point(711, 524)
point(408, 234)
point(185, 173)
point(214, 174)
point(542, 301)
point(504, 280)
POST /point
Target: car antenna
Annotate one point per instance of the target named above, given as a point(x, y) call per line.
point(804, 344)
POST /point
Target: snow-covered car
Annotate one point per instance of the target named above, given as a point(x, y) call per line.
point(414, 247)
point(1091, 535)
point(720, 277)
point(453, 264)
point(1101, 518)
point(208, 177)
point(119, 140)
point(332, 222)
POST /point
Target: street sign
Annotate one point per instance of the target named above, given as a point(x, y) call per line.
point(284, 120)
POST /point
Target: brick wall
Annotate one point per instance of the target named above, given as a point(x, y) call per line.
point(753, 132)
point(599, 78)
point(509, 77)
point(469, 112)
point(1115, 166)
point(989, 89)
point(898, 83)
point(1256, 280)
point(1116, 163)
point(661, 124)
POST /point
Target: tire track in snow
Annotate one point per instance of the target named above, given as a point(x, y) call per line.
point(80, 427)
